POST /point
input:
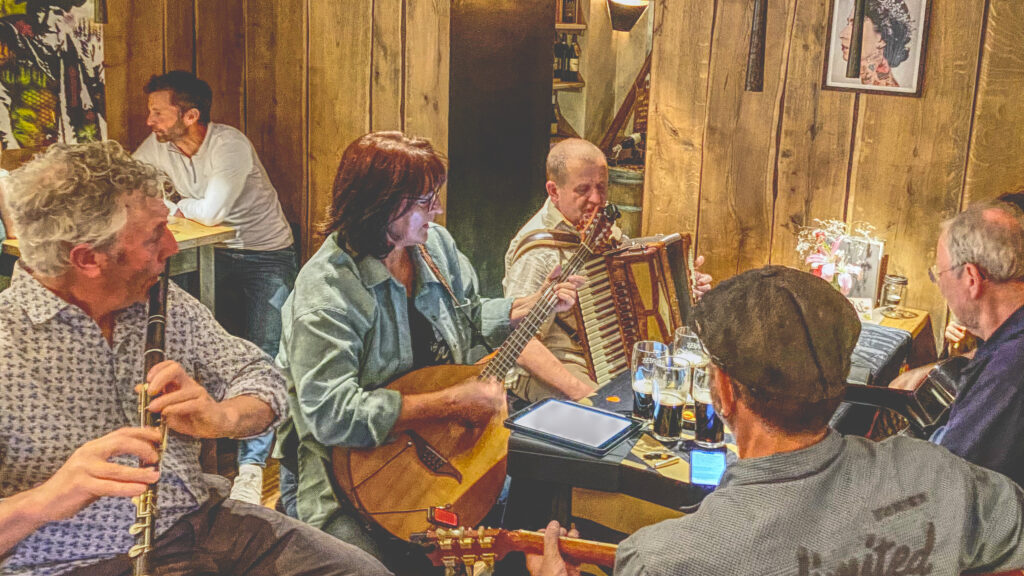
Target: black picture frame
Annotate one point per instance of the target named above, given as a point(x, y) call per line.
point(906, 78)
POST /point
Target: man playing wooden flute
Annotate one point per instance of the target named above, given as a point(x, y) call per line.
point(802, 499)
point(93, 231)
point(577, 183)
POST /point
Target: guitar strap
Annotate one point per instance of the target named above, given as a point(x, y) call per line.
point(551, 238)
point(477, 336)
point(546, 238)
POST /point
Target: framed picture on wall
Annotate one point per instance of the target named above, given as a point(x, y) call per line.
point(892, 48)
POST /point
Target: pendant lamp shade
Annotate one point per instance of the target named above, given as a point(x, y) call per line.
point(625, 13)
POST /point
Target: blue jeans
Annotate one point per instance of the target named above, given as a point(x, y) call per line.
point(252, 286)
point(289, 492)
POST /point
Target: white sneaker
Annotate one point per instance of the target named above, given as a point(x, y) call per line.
point(248, 486)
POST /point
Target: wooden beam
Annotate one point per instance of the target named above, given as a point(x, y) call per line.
point(814, 144)
point(275, 96)
point(678, 107)
point(426, 98)
point(220, 57)
point(388, 65)
point(339, 94)
point(996, 162)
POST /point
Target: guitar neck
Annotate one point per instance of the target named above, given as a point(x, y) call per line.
point(527, 328)
point(573, 549)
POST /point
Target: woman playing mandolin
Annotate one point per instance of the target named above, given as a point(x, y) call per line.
point(386, 294)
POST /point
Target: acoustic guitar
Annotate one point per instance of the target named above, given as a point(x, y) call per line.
point(464, 547)
point(444, 463)
point(454, 547)
point(923, 409)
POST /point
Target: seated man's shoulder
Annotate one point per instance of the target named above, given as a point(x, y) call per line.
point(226, 136)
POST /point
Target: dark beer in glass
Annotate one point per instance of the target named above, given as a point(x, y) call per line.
point(643, 400)
point(709, 432)
point(668, 415)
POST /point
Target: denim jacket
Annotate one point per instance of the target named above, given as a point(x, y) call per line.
point(345, 336)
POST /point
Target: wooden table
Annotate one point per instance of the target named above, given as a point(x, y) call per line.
point(920, 327)
point(195, 252)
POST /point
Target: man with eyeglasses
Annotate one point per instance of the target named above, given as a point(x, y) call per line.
point(979, 268)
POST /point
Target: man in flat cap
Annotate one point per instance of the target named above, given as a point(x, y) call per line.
point(803, 499)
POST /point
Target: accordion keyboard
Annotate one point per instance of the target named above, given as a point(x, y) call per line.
point(607, 354)
point(630, 295)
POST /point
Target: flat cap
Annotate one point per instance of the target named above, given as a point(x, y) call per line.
point(780, 332)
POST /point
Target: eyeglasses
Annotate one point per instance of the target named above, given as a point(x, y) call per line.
point(430, 201)
point(934, 272)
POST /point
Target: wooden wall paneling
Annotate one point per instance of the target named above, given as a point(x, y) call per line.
point(388, 62)
point(339, 93)
point(910, 153)
point(996, 162)
point(814, 145)
point(427, 48)
point(133, 51)
point(179, 35)
point(680, 62)
point(740, 141)
point(275, 96)
point(220, 51)
point(115, 70)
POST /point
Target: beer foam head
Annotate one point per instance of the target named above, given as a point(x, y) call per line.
point(781, 332)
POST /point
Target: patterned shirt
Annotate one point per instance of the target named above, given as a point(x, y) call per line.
point(63, 386)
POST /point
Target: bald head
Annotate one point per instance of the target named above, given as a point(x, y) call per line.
point(569, 155)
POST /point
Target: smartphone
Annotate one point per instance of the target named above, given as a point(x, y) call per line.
point(707, 467)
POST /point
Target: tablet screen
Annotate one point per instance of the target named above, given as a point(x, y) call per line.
point(574, 423)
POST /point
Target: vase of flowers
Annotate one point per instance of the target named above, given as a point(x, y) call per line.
point(822, 247)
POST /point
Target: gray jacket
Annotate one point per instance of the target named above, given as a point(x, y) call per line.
point(845, 506)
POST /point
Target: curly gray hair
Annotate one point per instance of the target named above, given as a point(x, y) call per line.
point(70, 195)
point(989, 235)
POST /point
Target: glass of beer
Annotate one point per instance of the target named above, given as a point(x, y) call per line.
point(645, 352)
point(687, 347)
point(709, 431)
point(671, 378)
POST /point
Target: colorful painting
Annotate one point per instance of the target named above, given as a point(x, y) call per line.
point(892, 47)
point(51, 73)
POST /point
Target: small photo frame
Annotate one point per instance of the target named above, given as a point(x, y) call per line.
point(892, 51)
point(869, 256)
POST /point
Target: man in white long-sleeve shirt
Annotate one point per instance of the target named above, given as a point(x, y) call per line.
point(220, 179)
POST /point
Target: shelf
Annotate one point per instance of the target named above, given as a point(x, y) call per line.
point(559, 85)
point(560, 27)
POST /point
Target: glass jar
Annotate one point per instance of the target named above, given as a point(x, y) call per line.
point(894, 291)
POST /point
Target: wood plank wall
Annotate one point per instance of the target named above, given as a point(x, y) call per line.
point(745, 171)
point(302, 78)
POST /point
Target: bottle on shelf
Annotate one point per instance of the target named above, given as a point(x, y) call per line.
point(563, 60)
point(573, 74)
point(557, 68)
point(568, 11)
point(554, 113)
